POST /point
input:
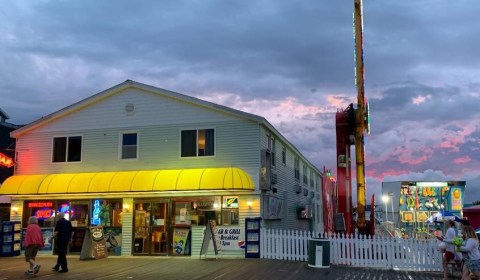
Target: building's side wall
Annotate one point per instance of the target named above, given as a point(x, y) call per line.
point(285, 186)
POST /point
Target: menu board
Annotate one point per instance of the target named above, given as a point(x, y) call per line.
point(94, 246)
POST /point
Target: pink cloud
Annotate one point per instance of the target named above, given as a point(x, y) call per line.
point(464, 159)
point(453, 139)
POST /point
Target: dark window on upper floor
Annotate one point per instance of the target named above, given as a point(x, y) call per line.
point(67, 149)
point(297, 168)
point(197, 143)
point(129, 145)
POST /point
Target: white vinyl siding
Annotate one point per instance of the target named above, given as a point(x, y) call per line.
point(158, 147)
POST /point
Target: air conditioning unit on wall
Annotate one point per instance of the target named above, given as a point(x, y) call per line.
point(274, 178)
point(304, 212)
point(305, 192)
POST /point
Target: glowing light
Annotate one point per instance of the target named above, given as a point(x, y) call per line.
point(40, 204)
point(6, 161)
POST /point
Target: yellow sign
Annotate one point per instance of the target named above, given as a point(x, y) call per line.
point(180, 236)
point(408, 216)
point(422, 216)
point(456, 194)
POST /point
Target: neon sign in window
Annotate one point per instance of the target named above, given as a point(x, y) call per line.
point(40, 204)
point(6, 161)
point(44, 213)
point(96, 213)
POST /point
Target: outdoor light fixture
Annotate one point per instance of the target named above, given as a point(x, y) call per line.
point(126, 208)
point(249, 204)
point(385, 200)
point(215, 205)
point(15, 210)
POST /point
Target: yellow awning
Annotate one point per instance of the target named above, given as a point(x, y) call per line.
point(129, 181)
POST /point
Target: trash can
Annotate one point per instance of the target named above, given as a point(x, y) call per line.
point(318, 252)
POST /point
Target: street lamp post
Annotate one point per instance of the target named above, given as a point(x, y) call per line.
point(385, 200)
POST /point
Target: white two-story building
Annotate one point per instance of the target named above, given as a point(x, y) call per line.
point(153, 167)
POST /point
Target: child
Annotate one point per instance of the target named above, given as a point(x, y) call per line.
point(33, 242)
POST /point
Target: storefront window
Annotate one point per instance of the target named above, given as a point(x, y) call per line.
point(105, 212)
point(197, 211)
point(230, 210)
point(79, 213)
point(44, 210)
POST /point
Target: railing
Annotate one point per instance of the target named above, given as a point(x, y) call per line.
point(379, 252)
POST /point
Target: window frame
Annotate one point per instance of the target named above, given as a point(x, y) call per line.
point(67, 149)
point(121, 146)
point(271, 147)
point(305, 174)
point(297, 168)
point(197, 150)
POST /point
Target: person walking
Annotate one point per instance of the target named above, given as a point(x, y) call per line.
point(63, 234)
point(449, 254)
point(470, 250)
point(33, 242)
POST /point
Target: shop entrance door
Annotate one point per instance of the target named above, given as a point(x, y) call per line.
point(150, 228)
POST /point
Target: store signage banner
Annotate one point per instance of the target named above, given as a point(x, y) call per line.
point(231, 238)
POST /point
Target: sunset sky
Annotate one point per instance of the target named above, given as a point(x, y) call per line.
point(291, 62)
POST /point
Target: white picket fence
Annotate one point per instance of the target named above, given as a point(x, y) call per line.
point(377, 252)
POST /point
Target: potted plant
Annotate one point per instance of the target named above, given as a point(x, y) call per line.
point(104, 214)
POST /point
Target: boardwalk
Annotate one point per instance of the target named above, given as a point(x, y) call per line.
point(171, 268)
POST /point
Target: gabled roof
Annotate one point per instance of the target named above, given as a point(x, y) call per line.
point(151, 89)
point(136, 85)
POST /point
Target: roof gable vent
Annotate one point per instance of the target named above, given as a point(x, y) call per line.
point(129, 108)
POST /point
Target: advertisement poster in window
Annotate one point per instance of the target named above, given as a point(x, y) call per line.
point(180, 236)
point(47, 234)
